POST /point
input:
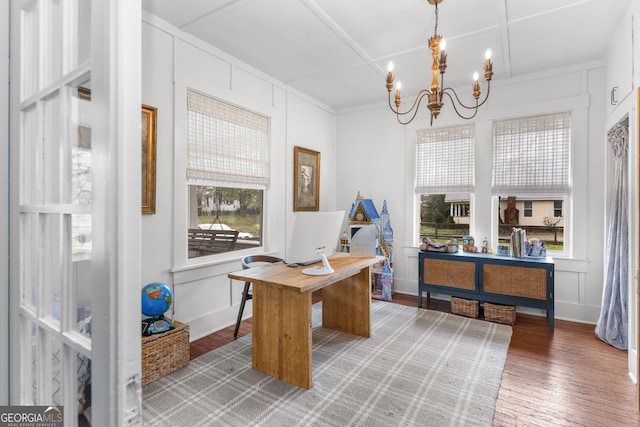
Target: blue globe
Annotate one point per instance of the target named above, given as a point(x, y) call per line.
point(156, 299)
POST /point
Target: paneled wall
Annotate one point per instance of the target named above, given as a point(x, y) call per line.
point(172, 62)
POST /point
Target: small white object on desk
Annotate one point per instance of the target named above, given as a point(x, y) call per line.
point(319, 270)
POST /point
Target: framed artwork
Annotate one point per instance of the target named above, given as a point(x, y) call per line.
point(306, 179)
point(148, 125)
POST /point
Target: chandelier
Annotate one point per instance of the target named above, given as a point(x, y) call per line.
point(437, 91)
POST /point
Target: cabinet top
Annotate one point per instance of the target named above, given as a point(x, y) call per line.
point(480, 255)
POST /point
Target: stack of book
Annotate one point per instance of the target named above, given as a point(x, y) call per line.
point(518, 240)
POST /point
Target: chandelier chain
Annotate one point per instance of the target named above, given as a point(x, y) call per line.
point(435, 31)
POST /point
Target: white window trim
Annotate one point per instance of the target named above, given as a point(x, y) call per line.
point(181, 263)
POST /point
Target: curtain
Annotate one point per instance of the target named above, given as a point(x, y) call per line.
point(612, 326)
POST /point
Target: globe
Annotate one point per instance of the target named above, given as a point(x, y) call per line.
point(156, 299)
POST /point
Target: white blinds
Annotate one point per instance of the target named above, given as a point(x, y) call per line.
point(445, 160)
point(531, 155)
point(226, 144)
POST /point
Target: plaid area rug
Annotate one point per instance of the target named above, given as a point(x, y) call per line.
point(419, 368)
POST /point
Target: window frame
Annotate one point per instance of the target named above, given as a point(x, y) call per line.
point(555, 208)
point(565, 193)
point(181, 264)
point(431, 183)
point(249, 171)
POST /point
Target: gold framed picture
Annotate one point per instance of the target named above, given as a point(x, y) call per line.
point(306, 179)
point(148, 125)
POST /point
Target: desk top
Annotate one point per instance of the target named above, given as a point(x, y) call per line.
point(292, 277)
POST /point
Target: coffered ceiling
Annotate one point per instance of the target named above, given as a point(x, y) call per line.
point(337, 51)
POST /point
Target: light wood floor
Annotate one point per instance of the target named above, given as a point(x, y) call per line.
point(568, 378)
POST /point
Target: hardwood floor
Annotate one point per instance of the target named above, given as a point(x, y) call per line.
point(568, 378)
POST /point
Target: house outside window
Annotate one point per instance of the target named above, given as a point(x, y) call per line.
point(444, 181)
point(227, 176)
point(531, 159)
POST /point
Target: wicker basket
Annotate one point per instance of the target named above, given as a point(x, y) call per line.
point(464, 307)
point(500, 313)
point(165, 353)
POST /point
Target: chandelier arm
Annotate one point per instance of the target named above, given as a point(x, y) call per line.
point(486, 96)
point(447, 90)
point(421, 95)
point(475, 110)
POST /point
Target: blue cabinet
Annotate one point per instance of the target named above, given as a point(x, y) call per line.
point(527, 282)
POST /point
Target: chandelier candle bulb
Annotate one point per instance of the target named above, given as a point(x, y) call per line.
point(390, 77)
point(476, 86)
point(488, 67)
point(398, 96)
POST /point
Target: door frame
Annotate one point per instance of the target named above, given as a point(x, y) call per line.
point(115, 283)
point(4, 201)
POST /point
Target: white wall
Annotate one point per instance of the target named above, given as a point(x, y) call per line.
point(172, 62)
point(376, 157)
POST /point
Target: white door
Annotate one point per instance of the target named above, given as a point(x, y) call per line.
point(74, 218)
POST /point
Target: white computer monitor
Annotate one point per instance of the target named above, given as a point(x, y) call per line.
point(315, 237)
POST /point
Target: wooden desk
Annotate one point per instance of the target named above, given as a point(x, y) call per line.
point(281, 325)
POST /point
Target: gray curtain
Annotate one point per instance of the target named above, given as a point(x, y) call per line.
point(612, 326)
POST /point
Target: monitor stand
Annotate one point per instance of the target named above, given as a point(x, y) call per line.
point(319, 270)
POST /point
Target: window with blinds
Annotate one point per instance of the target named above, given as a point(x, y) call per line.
point(444, 160)
point(227, 173)
point(444, 181)
point(531, 155)
point(531, 165)
point(226, 144)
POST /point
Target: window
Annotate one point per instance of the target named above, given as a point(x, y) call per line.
point(557, 208)
point(227, 174)
point(444, 181)
point(531, 159)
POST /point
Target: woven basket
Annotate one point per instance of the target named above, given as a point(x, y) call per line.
point(465, 307)
point(500, 313)
point(165, 353)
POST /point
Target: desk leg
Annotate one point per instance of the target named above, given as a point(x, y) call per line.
point(346, 305)
point(281, 328)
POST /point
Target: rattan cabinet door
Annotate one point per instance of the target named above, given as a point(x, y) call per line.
point(454, 274)
point(524, 282)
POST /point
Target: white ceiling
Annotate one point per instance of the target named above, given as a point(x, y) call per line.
point(337, 51)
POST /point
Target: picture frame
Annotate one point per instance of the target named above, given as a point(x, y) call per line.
point(306, 179)
point(148, 157)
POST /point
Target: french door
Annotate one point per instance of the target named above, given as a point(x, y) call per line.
point(73, 217)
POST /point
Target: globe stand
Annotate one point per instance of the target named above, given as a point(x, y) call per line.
point(155, 325)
